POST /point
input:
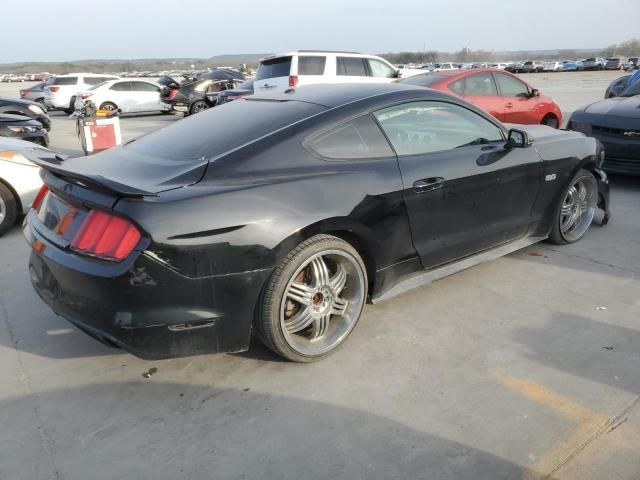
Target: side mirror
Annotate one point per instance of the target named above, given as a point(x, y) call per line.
point(535, 92)
point(518, 139)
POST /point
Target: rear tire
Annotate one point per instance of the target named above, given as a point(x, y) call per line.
point(551, 121)
point(8, 209)
point(313, 299)
point(109, 106)
point(198, 106)
point(575, 210)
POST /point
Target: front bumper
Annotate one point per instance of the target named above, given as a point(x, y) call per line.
point(622, 155)
point(141, 305)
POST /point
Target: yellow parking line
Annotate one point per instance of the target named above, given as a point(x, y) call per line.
point(590, 424)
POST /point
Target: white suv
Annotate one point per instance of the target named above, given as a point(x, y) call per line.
point(305, 67)
point(60, 92)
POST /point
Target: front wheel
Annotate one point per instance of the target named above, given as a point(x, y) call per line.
point(313, 299)
point(108, 106)
point(576, 209)
point(550, 121)
point(8, 209)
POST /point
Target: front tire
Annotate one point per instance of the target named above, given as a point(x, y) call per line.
point(576, 209)
point(108, 106)
point(313, 299)
point(550, 121)
point(8, 209)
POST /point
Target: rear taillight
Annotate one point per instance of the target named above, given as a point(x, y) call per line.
point(293, 81)
point(39, 197)
point(23, 93)
point(172, 94)
point(53, 89)
point(84, 96)
point(105, 236)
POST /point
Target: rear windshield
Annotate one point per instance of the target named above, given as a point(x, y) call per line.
point(590, 60)
point(218, 130)
point(276, 67)
point(64, 81)
point(423, 80)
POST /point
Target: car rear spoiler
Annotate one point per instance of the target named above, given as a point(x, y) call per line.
point(53, 162)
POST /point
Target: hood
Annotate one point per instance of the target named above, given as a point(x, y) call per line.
point(626, 107)
point(18, 101)
point(7, 119)
point(539, 133)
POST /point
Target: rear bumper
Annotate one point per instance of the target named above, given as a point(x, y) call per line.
point(141, 305)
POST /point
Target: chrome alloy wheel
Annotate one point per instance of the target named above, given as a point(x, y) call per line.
point(3, 210)
point(578, 208)
point(322, 302)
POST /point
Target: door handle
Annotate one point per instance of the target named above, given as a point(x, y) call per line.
point(509, 105)
point(427, 184)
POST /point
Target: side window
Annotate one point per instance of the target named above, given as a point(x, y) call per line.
point(511, 87)
point(351, 67)
point(143, 87)
point(64, 81)
point(308, 65)
point(479, 85)
point(381, 69)
point(93, 80)
point(358, 138)
point(417, 128)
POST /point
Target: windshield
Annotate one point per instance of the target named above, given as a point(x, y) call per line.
point(277, 67)
point(221, 129)
point(422, 80)
point(631, 90)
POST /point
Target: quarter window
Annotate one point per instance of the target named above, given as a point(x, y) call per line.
point(358, 139)
point(418, 128)
point(121, 86)
point(477, 85)
point(311, 65)
point(511, 87)
point(351, 67)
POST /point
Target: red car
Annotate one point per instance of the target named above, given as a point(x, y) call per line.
point(503, 95)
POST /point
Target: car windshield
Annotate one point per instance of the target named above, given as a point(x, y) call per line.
point(422, 80)
point(632, 90)
point(95, 87)
point(273, 68)
point(221, 129)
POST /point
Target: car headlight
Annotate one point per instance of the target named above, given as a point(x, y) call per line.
point(23, 129)
point(36, 109)
point(580, 127)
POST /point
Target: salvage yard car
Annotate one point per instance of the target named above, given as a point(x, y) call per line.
point(202, 93)
point(303, 206)
point(128, 96)
point(307, 67)
point(502, 94)
point(616, 123)
point(27, 108)
point(60, 92)
point(19, 179)
point(24, 128)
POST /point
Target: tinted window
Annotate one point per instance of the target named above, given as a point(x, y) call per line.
point(633, 89)
point(64, 81)
point(277, 67)
point(121, 86)
point(351, 67)
point(311, 65)
point(424, 127)
point(511, 87)
point(143, 87)
point(381, 69)
point(479, 85)
point(218, 130)
point(423, 80)
point(359, 138)
point(95, 80)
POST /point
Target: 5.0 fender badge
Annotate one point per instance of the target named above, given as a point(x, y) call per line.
point(550, 178)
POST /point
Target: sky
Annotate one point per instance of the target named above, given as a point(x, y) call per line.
point(64, 30)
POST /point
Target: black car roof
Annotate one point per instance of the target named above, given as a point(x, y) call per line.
point(9, 118)
point(334, 95)
point(16, 101)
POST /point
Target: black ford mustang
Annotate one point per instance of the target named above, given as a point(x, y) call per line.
point(302, 207)
point(616, 123)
